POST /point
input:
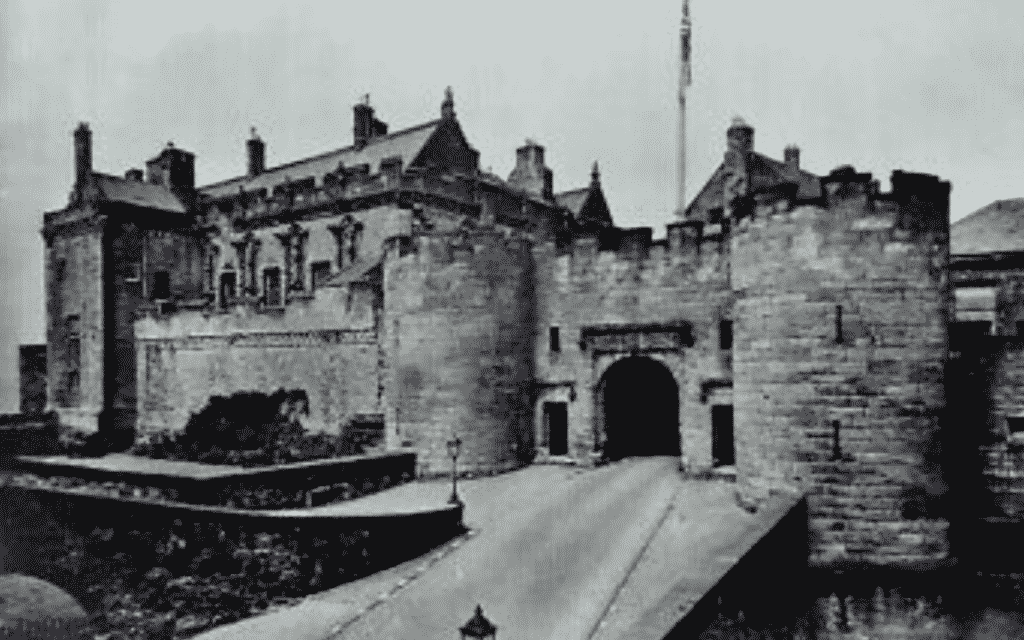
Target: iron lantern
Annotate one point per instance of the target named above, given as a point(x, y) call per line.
point(453, 450)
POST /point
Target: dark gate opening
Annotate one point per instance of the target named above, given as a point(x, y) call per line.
point(641, 409)
point(556, 419)
point(723, 449)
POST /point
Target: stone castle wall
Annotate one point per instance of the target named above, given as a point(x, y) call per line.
point(457, 337)
point(841, 326)
point(986, 379)
point(1002, 445)
point(74, 288)
point(681, 281)
point(326, 346)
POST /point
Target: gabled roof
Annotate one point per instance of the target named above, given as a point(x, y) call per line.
point(995, 228)
point(405, 144)
point(763, 172)
point(137, 193)
point(573, 200)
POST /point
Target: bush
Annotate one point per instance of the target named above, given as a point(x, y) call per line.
point(250, 429)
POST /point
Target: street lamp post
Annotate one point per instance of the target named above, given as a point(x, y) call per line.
point(453, 451)
point(478, 627)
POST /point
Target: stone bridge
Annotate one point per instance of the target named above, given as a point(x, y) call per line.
point(631, 549)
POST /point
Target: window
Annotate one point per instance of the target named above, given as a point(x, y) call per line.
point(839, 324)
point(554, 340)
point(320, 272)
point(725, 334)
point(354, 242)
point(1020, 328)
point(272, 287)
point(72, 389)
point(227, 288)
point(1016, 425)
point(73, 362)
point(133, 273)
point(161, 285)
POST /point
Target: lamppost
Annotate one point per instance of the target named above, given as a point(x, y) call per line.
point(453, 451)
point(478, 627)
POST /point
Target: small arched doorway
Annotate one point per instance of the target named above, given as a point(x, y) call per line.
point(640, 401)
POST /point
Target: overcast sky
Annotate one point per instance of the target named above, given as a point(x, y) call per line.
point(935, 86)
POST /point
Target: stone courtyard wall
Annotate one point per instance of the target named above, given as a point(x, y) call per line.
point(326, 346)
point(841, 326)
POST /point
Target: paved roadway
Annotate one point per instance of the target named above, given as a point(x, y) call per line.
point(547, 561)
point(551, 546)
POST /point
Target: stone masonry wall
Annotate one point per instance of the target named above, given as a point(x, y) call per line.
point(866, 270)
point(986, 382)
point(326, 346)
point(459, 329)
point(74, 287)
point(683, 280)
point(1003, 449)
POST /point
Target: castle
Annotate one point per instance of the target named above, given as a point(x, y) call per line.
point(791, 329)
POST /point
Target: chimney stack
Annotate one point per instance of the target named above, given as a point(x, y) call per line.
point(792, 156)
point(448, 106)
point(362, 117)
point(83, 154)
point(174, 168)
point(364, 126)
point(257, 154)
point(740, 136)
point(530, 174)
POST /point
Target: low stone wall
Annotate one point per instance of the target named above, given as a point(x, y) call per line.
point(170, 570)
point(300, 484)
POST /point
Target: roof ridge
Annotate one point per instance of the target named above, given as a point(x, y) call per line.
point(325, 154)
point(576, 190)
point(994, 205)
point(782, 163)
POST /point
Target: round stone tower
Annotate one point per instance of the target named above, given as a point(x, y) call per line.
point(840, 343)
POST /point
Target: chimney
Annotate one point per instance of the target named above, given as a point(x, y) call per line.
point(83, 154)
point(133, 175)
point(174, 168)
point(364, 126)
point(792, 156)
point(257, 154)
point(530, 174)
point(740, 136)
point(448, 106)
point(362, 122)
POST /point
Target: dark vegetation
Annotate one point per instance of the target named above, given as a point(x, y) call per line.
point(145, 577)
point(252, 429)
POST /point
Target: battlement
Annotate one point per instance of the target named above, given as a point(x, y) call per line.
point(915, 207)
point(692, 243)
point(442, 248)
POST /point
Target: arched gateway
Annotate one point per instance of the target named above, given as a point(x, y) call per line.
point(640, 401)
